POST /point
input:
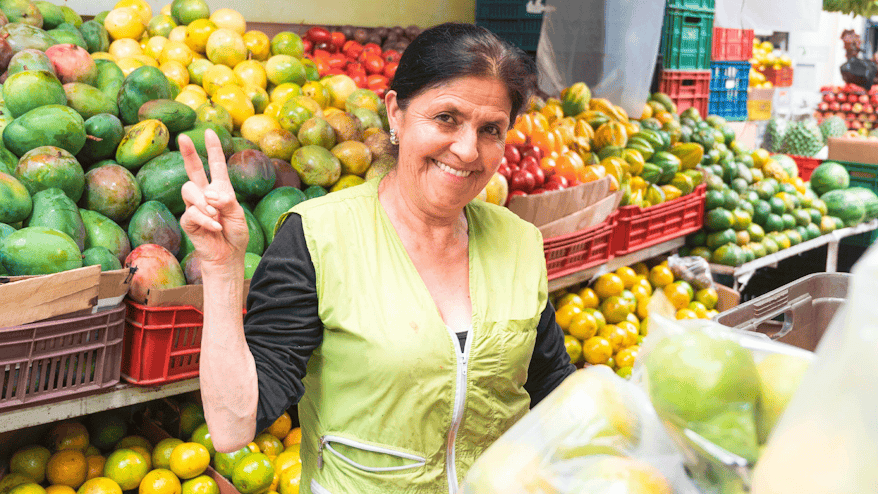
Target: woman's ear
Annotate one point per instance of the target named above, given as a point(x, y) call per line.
point(394, 112)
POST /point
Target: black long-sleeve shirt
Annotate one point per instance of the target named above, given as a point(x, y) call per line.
point(283, 328)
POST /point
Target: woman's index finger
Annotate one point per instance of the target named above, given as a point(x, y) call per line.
point(192, 162)
point(216, 158)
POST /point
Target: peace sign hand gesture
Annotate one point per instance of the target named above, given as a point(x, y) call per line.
point(214, 221)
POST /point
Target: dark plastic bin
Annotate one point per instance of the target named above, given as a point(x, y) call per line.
point(523, 33)
point(504, 9)
point(686, 39)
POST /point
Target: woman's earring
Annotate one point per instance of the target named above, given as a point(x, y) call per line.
point(394, 139)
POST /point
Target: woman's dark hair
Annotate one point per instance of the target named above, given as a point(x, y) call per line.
point(452, 50)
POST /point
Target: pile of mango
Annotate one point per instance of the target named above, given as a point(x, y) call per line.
point(92, 111)
point(583, 139)
point(605, 322)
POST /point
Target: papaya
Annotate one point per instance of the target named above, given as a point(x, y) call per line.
point(68, 37)
point(161, 179)
point(176, 116)
point(52, 14)
point(53, 209)
point(102, 231)
point(110, 78)
point(36, 250)
point(690, 154)
point(96, 37)
point(21, 36)
point(143, 142)
point(142, 84)
point(100, 256)
point(575, 99)
point(48, 166)
point(651, 173)
point(106, 128)
point(665, 101)
point(273, 205)
point(29, 89)
point(16, 203)
point(153, 223)
point(112, 191)
point(49, 125)
point(197, 136)
point(256, 245)
point(669, 164)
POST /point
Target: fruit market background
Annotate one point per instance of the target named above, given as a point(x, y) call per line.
point(737, 172)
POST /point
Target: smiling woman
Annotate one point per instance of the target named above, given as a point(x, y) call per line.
point(409, 322)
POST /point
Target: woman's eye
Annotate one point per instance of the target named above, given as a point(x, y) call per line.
point(492, 130)
point(445, 117)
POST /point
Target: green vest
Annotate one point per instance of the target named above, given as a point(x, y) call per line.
point(391, 403)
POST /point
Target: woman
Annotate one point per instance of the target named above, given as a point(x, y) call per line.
point(411, 321)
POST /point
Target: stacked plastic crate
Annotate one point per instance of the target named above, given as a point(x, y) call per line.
point(685, 53)
point(730, 72)
point(517, 21)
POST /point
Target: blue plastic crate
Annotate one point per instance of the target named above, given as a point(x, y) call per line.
point(687, 37)
point(523, 33)
point(726, 76)
point(731, 105)
point(504, 9)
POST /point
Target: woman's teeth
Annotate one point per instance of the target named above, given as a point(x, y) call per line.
point(448, 169)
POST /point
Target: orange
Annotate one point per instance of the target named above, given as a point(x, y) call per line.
point(660, 276)
point(289, 480)
point(573, 347)
point(583, 326)
point(644, 326)
point(59, 489)
point(12, 480)
point(67, 467)
point(597, 350)
point(99, 485)
point(269, 444)
point(253, 447)
point(28, 488)
point(95, 466)
point(294, 437)
point(202, 484)
point(129, 441)
point(160, 481)
point(712, 313)
point(686, 314)
point(189, 460)
point(678, 295)
point(201, 435)
point(628, 275)
point(615, 309)
point(126, 467)
point(708, 297)
point(640, 292)
point(589, 298)
point(632, 331)
point(615, 335)
point(224, 463)
point(564, 315)
point(688, 287)
point(91, 450)
point(281, 427)
point(253, 474)
point(699, 309)
point(287, 459)
point(643, 308)
point(571, 298)
point(627, 356)
point(598, 316)
point(633, 319)
point(124, 22)
point(161, 455)
point(641, 269)
point(628, 297)
point(624, 372)
point(609, 284)
point(31, 461)
point(644, 282)
point(69, 435)
point(191, 416)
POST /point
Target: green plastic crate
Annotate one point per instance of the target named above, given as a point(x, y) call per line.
point(687, 39)
point(523, 33)
point(862, 175)
point(703, 5)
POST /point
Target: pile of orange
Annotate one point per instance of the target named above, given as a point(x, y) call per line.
point(604, 323)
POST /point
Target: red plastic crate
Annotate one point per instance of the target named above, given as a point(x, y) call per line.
point(162, 344)
point(806, 165)
point(687, 88)
point(732, 44)
point(60, 358)
point(580, 250)
point(637, 228)
point(782, 77)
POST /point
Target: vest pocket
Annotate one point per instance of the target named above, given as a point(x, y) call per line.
point(367, 457)
point(317, 488)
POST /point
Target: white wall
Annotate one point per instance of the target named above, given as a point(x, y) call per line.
point(817, 55)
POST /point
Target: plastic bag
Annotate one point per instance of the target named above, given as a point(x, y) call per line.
point(860, 72)
point(827, 440)
point(596, 433)
point(692, 269)
point(611, 45)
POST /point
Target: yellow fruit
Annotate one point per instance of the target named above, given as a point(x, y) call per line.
point(641, 269)
point(202, 484)
point(633, 319)
point(102, 55)
point(146, 59)
point(632, 331)
point(642, 308)
point(615, 309)
point(31, 461)
point(678, 295)
point(708, 297)
point(216, 77)
point(145, 453)
point(257, 96)
point(60, 489)
point(197, 34)
point(564, 315)
point(597, 350)
point(284, 92)
point(192, 99)
point(686, 314)
point(598, 316)
point(189, 460)
point(615, 335)
point(316, 91)
point(142, 8)
point(175, 51)
point(69, 435)
point(589, 298)
point(251, 72)
point(258, 45)
point(253, 474)
point(124, 23)
point(226, 47)
point(126, 467)
point(67, 467)
point(573, 347)
point(628, 276)
point(99, 485)
point(644, 282)
point(125, 47)
point(290, 479)
point(288, 458)
point(178, 34)
point(699, 309)
point(273, 110)
point(257, 126)
point(293, 438)
point(583, 326)
point(161, 455)
point(154, 46)
point(661, 275)
point(95, 466)
point(608, 284)
point(640, 292)
point(627, 356)
point(229, 19)
point(571, 298)
point(160, 481)
point(176, 72)
point(235, 101)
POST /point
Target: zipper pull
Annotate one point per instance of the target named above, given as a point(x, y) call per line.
point(320, 446)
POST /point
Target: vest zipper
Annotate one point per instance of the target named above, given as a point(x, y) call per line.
point(459, 402)
point(324, 444)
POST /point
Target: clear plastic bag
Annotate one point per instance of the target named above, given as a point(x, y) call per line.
point(692, 269)
point(596, 433)
point(827, 440)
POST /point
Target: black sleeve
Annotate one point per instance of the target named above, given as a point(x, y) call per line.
point(282, 325)
point(550, 363)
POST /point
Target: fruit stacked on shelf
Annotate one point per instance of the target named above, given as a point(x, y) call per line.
point(90, 133)
point(856, 107)
point(605, 323)
point(767, 58)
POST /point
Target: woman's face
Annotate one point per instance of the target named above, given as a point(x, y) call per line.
point(451, 141)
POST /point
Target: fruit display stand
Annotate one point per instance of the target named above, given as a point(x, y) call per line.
point(742, 274)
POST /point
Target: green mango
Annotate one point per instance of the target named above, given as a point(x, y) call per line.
point(176, 116)
point(110, 78)
point(256, 245)
point(15, 200)
point(8, 161)
point(30, 59)
point(22, 36)
point(143, 84)
point(112, 191)
point(100, 256)
point(23, 11)
point(142, 142)
point(95, 35)
point(49, 125)
point(152, 223)
point(53, 209)
point(65, 37)
point(162, 178)
point(197, 136)
point(29, 89)
point(240, 144)
point(106, 127)
point(102, 231)
point(88, 100)
point(71, 17)
point(45, 167)
point(36, 250)
point(273, 205)
point(52, 14)
point(5, 119)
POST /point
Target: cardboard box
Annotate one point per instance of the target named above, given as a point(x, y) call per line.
point(26, 299)
point(112, 288)
point(853, 150)
point(541, 209)
point(586, 218)
point(189, 295)
point(728, 297)
point(759, 101)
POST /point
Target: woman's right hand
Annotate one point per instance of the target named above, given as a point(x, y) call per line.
point(214, 221)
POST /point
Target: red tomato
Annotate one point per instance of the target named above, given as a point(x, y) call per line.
point(390, 69)
point(337, 61)
point(511, 154)
point(338, 39)
point(381, 91)
point(373, 64)
point(359, 78)
point(352, 49)
point(376, 81)
point(353, 66)
point(319, 34)
point(391, 56)
point(372, 49)
point(538, 173)
point(334, 72)
point(321, 53)
point(326, 46)
point(308, 45)
point(514, 193)
point(321, 63)
point(523, 180)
